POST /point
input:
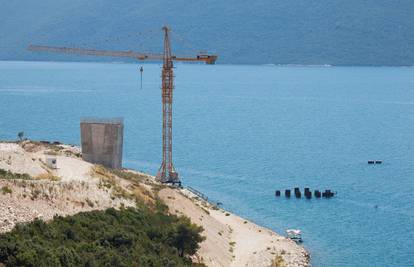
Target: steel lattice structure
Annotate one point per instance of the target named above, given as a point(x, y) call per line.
point(166, 172)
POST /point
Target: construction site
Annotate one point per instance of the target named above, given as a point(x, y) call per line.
point(206, 134)
point(100, 140)
point(51, 181)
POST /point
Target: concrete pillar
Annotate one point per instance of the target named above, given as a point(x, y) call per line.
point(102, 141)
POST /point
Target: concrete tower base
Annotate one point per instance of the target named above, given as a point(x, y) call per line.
point(102, 141)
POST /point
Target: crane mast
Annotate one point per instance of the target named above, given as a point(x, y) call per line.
point(166, 173)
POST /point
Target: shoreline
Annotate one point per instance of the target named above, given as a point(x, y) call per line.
point(248, 244)
point(76, 186)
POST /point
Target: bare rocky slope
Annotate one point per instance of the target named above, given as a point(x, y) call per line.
point(30, 189)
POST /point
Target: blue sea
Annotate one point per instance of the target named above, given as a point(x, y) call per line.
point(243, 131)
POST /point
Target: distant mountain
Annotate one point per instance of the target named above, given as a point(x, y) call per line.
point(335, 32)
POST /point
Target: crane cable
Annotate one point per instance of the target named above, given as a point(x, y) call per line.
point(187, 44)
point(141, 37)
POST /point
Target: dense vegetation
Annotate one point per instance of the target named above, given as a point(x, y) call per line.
point(10, 175)
point(126, 237)
point(342, 32)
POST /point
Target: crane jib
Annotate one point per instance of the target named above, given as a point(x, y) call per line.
point(208, 59)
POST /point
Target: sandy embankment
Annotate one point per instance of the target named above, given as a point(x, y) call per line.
point(230, 240)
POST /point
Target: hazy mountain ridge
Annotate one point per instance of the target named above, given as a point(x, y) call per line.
point(352, 32)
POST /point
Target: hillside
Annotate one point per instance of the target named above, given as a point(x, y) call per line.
point(343, 32)
point(77, 195)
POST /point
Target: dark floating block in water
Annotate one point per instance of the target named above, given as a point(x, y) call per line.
point(374, 161)
point(287, 193)
point(297, 192)
point(327, 194)
point(308, 193)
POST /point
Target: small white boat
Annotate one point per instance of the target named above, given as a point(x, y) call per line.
point(295, 235)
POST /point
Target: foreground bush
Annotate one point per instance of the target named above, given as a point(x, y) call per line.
point(127, 237)
point(8, 175)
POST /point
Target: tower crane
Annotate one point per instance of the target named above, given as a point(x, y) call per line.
point(166, 172)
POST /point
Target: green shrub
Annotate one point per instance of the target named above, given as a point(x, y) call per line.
point(126, 237)
point(278, 262)
point(6, 190)
point(8, 175)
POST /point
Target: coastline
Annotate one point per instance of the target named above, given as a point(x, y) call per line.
point(233, 240)
point(76, 186)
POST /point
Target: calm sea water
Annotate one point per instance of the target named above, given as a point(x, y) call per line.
point(241, 132)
